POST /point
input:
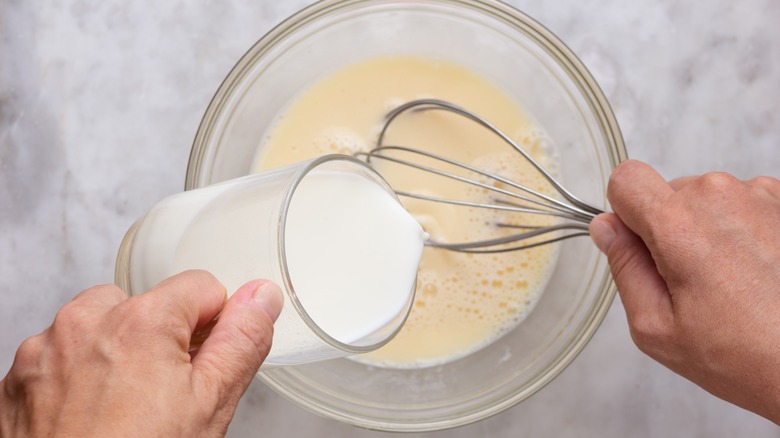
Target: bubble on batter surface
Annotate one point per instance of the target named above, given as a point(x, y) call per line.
point(340, 140)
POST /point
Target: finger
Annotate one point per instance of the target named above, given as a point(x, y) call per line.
point(643, 291)
point(636, 192)
point(678, 183)
point(240, 340)
point(194, 296)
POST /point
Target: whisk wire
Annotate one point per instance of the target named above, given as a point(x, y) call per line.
point(553, 206)
point(436, 104)
point(576, 214)
point(486, 246)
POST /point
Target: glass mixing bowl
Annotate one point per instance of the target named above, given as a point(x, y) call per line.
point(532, 67)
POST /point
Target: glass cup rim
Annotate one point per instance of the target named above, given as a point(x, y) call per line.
point(300, 175)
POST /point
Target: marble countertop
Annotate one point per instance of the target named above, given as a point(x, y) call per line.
point(100, 101)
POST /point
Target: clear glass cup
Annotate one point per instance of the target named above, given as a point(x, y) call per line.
point(535, 69)
point(196, 229)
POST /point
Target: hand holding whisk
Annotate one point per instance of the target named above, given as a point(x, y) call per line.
point(572, 214)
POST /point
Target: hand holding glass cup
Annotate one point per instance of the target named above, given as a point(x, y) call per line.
point(329, 231)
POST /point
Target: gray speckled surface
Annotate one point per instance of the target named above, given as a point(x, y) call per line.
point(99, 102)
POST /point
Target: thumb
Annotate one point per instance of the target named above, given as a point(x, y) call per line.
point(643, 291)
point(240, 340)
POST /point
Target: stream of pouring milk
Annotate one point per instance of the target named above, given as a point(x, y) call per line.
point(463, 302)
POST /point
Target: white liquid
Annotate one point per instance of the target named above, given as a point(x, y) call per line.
point(352, 253)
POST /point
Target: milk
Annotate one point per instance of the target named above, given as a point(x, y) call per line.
point(352, 252)
point(346, 250)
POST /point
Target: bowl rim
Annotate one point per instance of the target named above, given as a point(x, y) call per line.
point(592, 95)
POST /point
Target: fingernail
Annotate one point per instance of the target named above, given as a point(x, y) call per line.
point(270, 298)
point(602, 233)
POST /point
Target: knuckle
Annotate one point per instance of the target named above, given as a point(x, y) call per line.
point(110, 291)
point(27, 364)
point(187, 280)
point(152, 315)
point(73, 317)
point(29, 351)
point(766, 182)
point(87, 309)
point(113, 292)
point(202, 277)
point(717, 181)
point(649, 333)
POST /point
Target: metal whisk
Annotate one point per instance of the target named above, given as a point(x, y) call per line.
point(574, 214)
